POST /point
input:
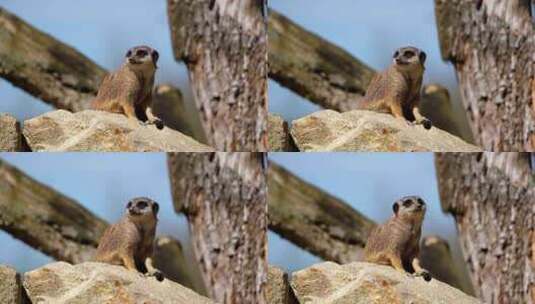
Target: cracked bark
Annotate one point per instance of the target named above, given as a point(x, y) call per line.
point(224, 45)
point(223, 196)
point(61, 228)
point(490, 195)
point(491, 45)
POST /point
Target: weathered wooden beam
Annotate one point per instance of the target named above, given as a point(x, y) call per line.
point(45, 67)
point(61, 228)
point(313, 67)
point(313, 219)
point(224, 45)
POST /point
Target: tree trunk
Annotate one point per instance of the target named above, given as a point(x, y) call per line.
point(223, 195)
point(224, 45)
point(491, 44)
point(491, 196)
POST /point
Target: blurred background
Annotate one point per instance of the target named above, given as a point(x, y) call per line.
point(370, 31)
point(102, 31)
point(370, 183)
point(102, 183)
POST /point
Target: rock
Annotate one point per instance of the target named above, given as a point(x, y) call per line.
point(102, 283)
point(279, 139)
point(101, 131)
point(10, 135)
point(372, 132)
point(356, 283)
point(10, 288)
point(278, 288)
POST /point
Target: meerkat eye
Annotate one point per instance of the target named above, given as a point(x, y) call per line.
point(142, 204)
point(421, 201)
point(129, 205)
point(396, 54)
point(155, 208)
point(408, 54)
point(141, 53)
point(129, 53)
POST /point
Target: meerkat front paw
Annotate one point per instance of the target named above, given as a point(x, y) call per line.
point(424, 274)
point(158, 123)
point(427, 124)
point(156, 273)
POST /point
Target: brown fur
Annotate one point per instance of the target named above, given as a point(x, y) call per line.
point(128, 91)
point(396, 243)
point(130, 242)
point(397, 90)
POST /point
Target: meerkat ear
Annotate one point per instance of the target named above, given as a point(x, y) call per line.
point(395, 207)
point(423, 56)
point(155, 208)
point(155, 56)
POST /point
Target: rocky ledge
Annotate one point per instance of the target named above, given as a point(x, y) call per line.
point(368, 131)
point(101, 131)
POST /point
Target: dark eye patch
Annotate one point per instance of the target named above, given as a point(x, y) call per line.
point(141, 53)
point(129, 53)
point(142, 204)
point(155, 55)
point(155, 208)
point(129, 204)
point(409, 54)
point(421, 201)
point(396, 54)
point(407, 203)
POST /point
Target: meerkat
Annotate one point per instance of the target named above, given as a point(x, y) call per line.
point(397, 242)
point(397, 90)
point(128, 90)
point(130, 242)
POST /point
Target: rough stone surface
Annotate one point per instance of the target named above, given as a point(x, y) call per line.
point(101, 131)
point(91, 282)
point(10, 135)
point(10, 289)
point(278, 287)
point(372, 132)
point(278, 134)
point(365, 283)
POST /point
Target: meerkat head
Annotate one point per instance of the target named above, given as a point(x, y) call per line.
point(142, 57)
point(410, 207)
point(408, 58)
point(142, 209)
